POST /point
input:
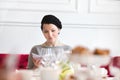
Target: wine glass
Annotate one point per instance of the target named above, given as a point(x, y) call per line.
point(59, 53)
point(48, 56)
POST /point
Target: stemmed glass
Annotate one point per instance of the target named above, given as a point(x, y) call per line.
point(48, 56)
point(51, 56)
point(60, 55)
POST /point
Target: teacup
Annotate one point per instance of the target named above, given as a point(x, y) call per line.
point(25, 74)
point(49, 73)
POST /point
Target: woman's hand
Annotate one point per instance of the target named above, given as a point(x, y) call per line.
point(37, 63)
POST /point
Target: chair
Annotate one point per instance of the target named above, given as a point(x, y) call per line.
point(21, 62)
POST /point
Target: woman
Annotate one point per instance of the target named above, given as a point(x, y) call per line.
point(50, 27)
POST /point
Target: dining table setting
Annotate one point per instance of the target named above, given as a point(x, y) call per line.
point(77, 68)
point(62, 66)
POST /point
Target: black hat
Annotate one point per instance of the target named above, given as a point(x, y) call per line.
point(51, 19)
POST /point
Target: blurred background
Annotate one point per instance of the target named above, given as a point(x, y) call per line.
point(91, 23)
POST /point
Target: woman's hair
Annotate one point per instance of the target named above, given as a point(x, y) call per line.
point(51, 19)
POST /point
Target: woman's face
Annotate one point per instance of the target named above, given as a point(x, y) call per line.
point(50, 32)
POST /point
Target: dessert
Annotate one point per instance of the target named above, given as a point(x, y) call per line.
point(101, 51)
point(80, 50)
